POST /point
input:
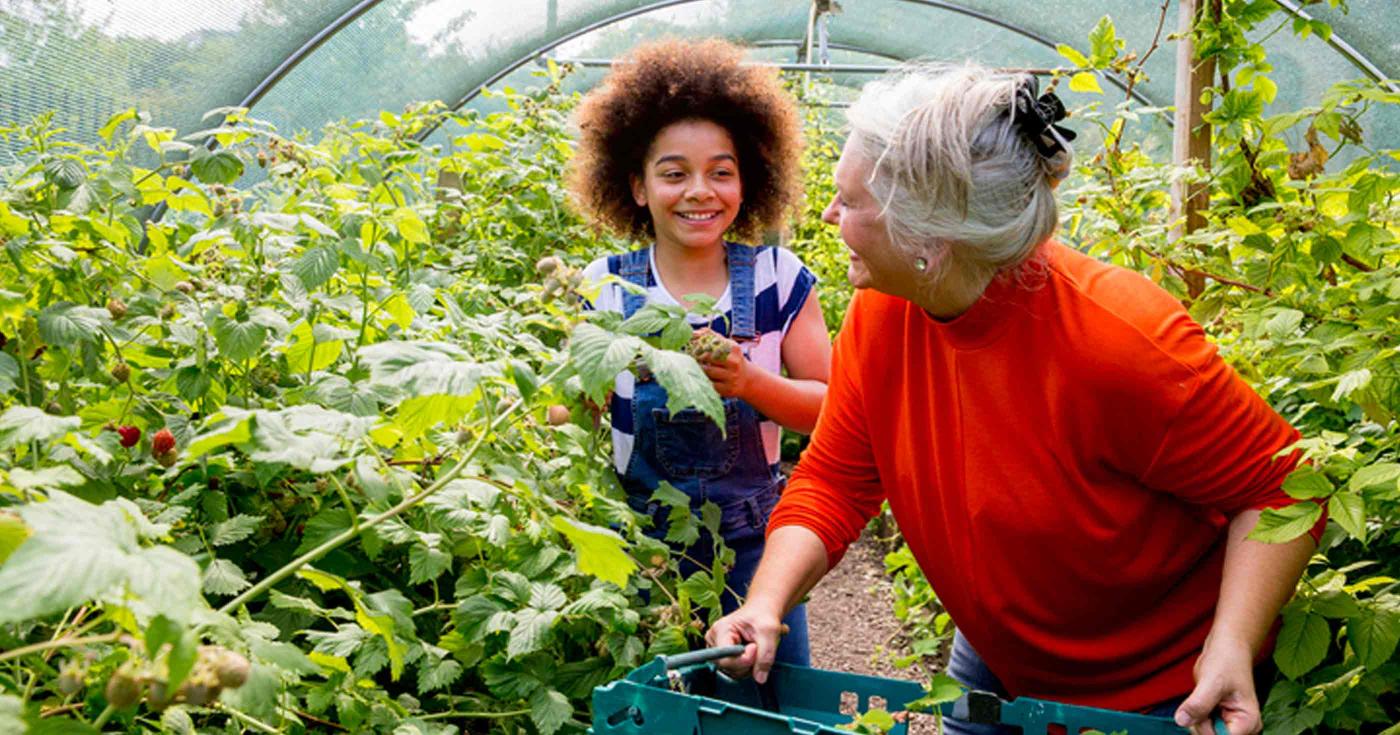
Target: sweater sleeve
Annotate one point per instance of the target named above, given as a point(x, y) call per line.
point(836, 488)
point(1224, 447)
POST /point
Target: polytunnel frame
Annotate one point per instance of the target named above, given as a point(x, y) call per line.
point(1349, 52)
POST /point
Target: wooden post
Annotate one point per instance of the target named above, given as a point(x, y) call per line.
point(1191, 137)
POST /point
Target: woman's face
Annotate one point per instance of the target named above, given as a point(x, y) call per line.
point(690, 184)
point(875, 262)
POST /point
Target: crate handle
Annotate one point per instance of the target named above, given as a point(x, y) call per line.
point(702, 656)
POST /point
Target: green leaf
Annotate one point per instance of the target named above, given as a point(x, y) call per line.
point(549, 710)
point(1104, 43)
point(66, 325)
point(685, 383)
point(234, 429)
point(317, 265)
point(181, 657)
point(59, 476)
point(942, 688)
point(1380, 474)
point(436, 673)
point(13, 532)
point(238, 340)
point(1306, 482)
point(166, 580)
point(308, 437)
point(1364, 239)
point(1348, 509)
point(20, 425)
point(192, 382)
point(1284, 324)
point(1302, 642)
point(217, 167)
point(600, 550)
point(234, 529)
point(1374, 634)
point(309, 353)
point(530, 630)
point(176, 721)
point(110, 127)
point(1085, 81)
point(599, 355)
point(1350, 382)
point(75, 552)
point(547, 596)
point(1073, 54)
point(223, 577)
point(683, 528)
point(65, 173)
point(9, 373)
point(426, 561)
point(1281, 525)
point(1287, 712)
point(12, 715)
point(651, 319)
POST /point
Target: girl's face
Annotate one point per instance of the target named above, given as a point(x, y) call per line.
point(690, 184)
point(875, 262)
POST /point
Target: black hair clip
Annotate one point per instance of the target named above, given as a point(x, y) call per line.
point(1035, 116)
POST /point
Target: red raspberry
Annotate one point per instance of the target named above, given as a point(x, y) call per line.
point(163, 442)
point(130, 435)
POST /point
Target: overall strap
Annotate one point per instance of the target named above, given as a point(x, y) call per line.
point(741, 295)
point(634, 267)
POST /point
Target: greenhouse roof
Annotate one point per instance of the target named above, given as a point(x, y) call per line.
point(302, 64)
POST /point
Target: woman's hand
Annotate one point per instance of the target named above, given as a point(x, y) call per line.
point(759, 629)
point(1224, 682)
point(730, 376)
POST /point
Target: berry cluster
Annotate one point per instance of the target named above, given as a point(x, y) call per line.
point(215, 669)
point(709, 347)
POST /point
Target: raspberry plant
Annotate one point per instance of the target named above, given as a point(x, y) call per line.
point(350, 513)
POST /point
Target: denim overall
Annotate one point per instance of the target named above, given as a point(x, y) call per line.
point(688, 450)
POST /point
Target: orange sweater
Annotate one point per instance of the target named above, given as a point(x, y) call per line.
point(1062, 459)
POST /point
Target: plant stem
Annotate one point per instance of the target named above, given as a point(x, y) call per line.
point(248, 720)
point(476, 715)
point(60, 643)
point(344, 536)
point(102, 718)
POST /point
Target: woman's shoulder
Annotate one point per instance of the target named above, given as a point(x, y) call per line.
point(1126, 315)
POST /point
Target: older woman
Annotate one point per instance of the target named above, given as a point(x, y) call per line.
point(1072, 464)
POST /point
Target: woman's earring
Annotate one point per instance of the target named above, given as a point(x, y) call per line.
point(920, 264)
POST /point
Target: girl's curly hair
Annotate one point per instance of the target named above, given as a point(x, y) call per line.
point(661, 83)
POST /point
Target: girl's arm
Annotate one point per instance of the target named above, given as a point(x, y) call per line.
point(792, 401)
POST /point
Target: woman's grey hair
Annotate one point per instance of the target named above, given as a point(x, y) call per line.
point(957, 181)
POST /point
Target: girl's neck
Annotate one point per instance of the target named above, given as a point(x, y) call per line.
point(683, 271)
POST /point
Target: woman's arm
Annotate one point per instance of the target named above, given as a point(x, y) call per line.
point(1258, 579)
point(792, 401)
point(794, 560)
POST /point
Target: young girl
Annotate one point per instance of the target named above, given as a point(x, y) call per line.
point(680, 145)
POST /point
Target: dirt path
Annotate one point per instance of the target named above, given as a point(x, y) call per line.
point(852, 624)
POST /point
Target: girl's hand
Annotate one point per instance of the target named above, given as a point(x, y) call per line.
point(1224, 682)
point(730, 376)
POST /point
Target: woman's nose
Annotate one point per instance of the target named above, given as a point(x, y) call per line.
point(829, 214)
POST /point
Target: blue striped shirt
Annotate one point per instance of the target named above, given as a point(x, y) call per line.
point(782, 285)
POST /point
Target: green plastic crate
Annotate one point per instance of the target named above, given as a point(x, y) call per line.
point(687, 695)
